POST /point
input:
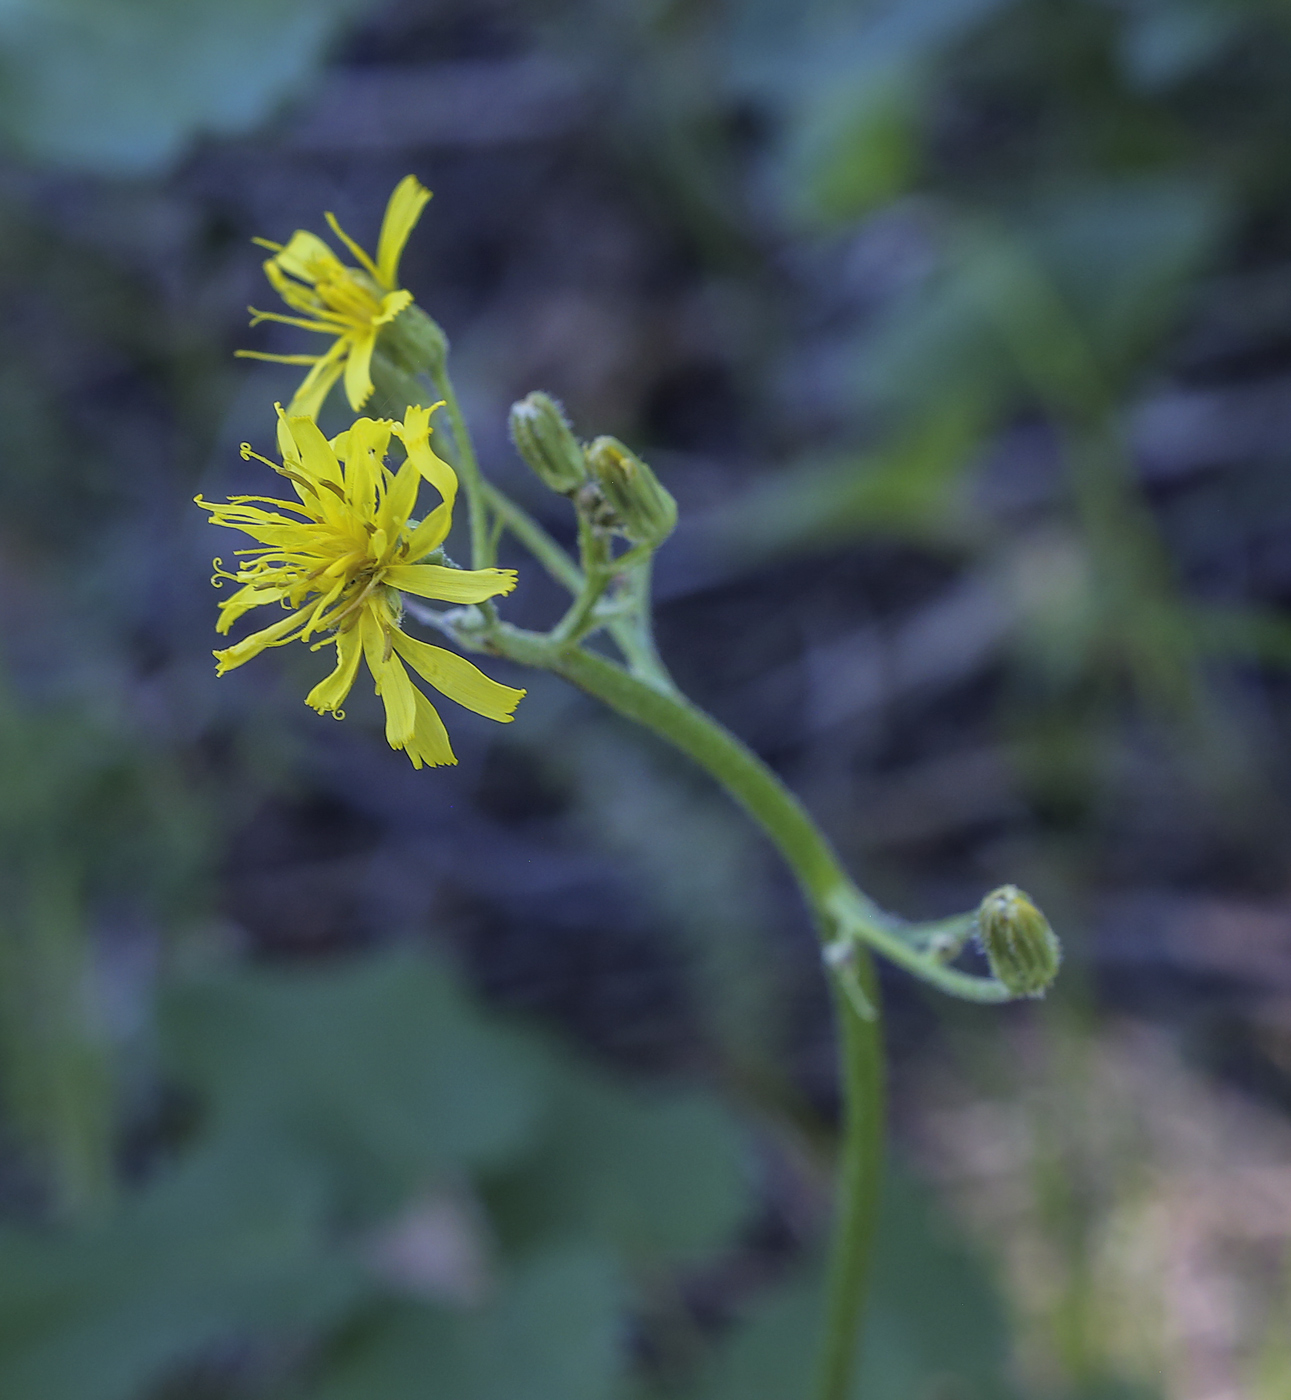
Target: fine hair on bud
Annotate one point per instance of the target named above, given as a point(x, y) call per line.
point(543, 438)
point(415, 342)
point(645, 508)
point(1021, 948)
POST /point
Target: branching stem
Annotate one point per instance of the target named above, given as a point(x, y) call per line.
point(848, 923)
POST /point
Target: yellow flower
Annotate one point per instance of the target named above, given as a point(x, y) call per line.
point(338, 559)
point(350, 303)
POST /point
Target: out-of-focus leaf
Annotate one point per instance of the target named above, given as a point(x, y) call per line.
point(857, 147)
point(648, 1175)
point(332, 1096)
point(85, 812)
point(229, 1242)
point(854, 85)
point(379, 1068)
point(934, 1321)
point(909, 486)
point(1120, 254)
point(1164, 41)
point(122, 85)
point(551, 1333)
point(1065, 300)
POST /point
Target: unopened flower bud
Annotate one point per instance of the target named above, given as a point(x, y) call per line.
point(414, 341)
point(646, 510)
point(1022, 949)
point(543, 438)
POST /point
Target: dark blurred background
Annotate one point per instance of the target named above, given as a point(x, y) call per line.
point(961, 330)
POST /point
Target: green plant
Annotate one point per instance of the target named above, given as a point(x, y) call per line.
point(352, 568)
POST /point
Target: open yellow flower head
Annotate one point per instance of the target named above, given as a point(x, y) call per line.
point(338, 559)
point(349, 303)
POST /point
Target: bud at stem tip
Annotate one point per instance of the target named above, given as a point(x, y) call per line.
point(543, 438)
point(646, 511)
point(1021, 948)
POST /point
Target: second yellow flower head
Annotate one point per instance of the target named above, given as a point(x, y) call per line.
point(349, 303)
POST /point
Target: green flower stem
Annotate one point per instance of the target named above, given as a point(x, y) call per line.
point(821, 877)
point(598, 572)
point(842, 914)
point(842, 910)
point(635, 636)
point(669, 714)
point(468, 470)
point(860, 1177)
point(839, 909)
point(535, 539)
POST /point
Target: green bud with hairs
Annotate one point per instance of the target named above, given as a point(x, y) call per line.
point(1021, 948)
point(543, 437)
point(644, 508)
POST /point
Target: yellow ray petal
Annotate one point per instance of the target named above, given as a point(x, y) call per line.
point(400, 499)
point(450, 585)
point(368, 436)
point(306, 256)
point(307, 401)
point(397, 692)
point(364, 261)
point(320, 324)
point(232, 657)
point(287, 448)
point(358, 368)
point(296, 294)
point(391, 305)
point(414, 433)
point(249, 596)
point(459, 679)
point(317, 460)
point(430, 534)
point(364, 444)
point(277, 359)
point(328, 693)
point(402, 212)
point(430, 743)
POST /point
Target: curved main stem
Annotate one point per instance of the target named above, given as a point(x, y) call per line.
point(860, 1176)
point(822, 879)
point(844, 917)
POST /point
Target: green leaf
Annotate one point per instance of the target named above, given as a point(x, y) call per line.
point(650, 1175)
point(379, 1068)
point(123, 87)
point(858, 144)
point(214, 1249)
point(551, 1333)
point(855, 85)
point(909, 486)
point(1065, 300)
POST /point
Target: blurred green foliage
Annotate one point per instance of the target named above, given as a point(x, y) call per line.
point(124, 87)
point(524, 1198)
point(87, 819)
point(1058, 209)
